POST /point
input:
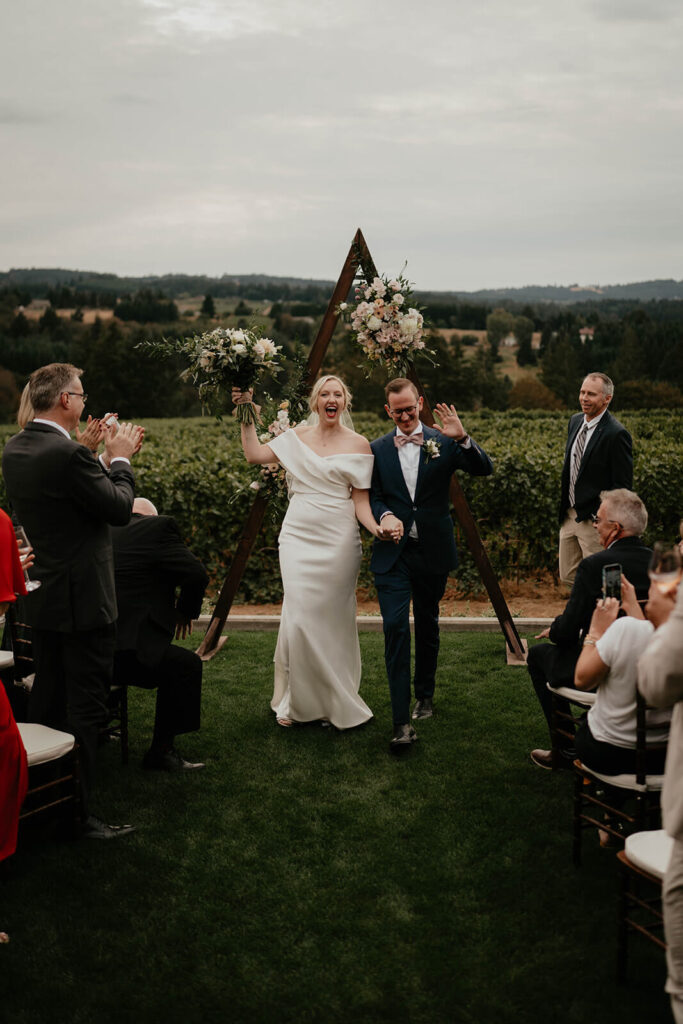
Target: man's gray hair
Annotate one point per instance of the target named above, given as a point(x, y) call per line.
point(607, 382)
point(47, 383)
point(626, 508)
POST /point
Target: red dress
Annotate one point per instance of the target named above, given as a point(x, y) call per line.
point(13, 769)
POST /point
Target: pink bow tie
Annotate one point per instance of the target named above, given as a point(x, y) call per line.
point(401, 439)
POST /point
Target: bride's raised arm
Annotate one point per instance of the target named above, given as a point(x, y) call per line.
point(255, 453)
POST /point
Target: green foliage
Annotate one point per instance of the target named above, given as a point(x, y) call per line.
point(195, 471)
point(304, 876)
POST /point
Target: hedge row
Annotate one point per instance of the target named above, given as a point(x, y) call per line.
point(195, 471)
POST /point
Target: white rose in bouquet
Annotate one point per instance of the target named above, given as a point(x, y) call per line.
point(373, 323)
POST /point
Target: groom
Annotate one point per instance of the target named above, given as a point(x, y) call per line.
point(410, 488)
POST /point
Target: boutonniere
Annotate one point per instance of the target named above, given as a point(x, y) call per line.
point(432, 449)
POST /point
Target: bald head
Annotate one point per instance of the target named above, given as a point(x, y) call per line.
point(144, 507)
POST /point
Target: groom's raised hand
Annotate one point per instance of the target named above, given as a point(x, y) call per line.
point(452, 426)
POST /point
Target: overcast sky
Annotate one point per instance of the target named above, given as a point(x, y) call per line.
point(487, 143)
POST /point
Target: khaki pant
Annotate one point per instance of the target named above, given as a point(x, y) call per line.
point(577, 541)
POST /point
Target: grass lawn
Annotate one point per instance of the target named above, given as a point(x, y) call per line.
point(306, 875)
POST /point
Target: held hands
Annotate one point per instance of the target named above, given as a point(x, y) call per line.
point(452, 427)
point(390, 528)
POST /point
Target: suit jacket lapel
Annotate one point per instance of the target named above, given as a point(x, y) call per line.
point(593, 439)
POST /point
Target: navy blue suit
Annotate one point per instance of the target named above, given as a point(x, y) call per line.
point(416, 569)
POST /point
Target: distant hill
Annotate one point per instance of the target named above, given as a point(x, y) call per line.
point(40, 280)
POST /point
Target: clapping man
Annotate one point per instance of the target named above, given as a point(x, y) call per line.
point(409, 495)
point(66, 503)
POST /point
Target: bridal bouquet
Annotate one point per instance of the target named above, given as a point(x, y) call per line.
point(387, 327)
point(221, 359)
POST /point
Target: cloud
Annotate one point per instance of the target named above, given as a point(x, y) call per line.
point(13, 113)
point(212, 20)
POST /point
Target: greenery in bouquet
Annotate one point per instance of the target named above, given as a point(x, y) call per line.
point(386, 323)
point(221, 359)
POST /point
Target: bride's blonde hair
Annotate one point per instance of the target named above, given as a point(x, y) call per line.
point(318, 386)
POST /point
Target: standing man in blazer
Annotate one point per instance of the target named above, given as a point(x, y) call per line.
point(66, 502)
point(151, 561)
point(409, 495)
point(598, 457)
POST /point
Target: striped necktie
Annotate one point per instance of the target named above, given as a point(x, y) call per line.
point(576, 462)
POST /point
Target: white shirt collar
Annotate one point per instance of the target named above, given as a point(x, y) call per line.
point(51, 423)
point(594, 422)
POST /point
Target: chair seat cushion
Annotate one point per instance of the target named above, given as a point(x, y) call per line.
point(654, 782)
point(44, 744)
point(586, 698)
point(650, 851)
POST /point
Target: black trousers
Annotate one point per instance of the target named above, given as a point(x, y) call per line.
point(410, 578)
point(178, 681)
point(548, 663)
point(70, 691)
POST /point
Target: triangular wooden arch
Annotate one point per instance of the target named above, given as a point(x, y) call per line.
point(358, 257)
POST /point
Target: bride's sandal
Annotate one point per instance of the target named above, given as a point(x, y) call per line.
point(286, 723)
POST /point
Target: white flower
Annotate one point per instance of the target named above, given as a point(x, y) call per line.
point(259, 350)
point(398, 300)
point(239, 350)
point(379, 287)
point(264, 438)
point(373, 323)
point(431, 449)
point(238, 336)
point(409, 325)
point(206, 359)
point(395, 285)
point(255, 485)
point(269, 347)
point(343, 305)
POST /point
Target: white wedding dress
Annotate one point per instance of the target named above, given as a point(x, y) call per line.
point(317, 658)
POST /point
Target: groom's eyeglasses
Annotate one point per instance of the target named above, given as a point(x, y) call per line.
point(397, 413)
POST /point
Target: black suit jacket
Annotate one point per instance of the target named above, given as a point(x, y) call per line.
point(66, 502)
point(151, 561)
point(431, 507)
point(568, 629)
point(607, 463)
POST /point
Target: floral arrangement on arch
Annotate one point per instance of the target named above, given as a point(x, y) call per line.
point(220, 359)
point(385, 324)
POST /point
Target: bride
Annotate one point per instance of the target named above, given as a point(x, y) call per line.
point(329, 467)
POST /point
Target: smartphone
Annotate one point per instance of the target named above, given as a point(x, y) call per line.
point(611, 581)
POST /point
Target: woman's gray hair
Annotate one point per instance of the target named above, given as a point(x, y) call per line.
point(626, 508)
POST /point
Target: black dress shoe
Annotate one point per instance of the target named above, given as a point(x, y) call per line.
point(95, 828)
point(423, 708)
point(169, 761)
point(402, 740)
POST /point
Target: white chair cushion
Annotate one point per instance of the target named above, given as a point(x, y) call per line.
point(650, 851)
point(584, 697)
point(44, 744)
point(6, 659)
point(653, 784)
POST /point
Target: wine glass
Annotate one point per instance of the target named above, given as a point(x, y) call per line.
point(24, 543)
point(665, 566)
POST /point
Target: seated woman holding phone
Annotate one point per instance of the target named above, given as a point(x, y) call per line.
point(606, 739)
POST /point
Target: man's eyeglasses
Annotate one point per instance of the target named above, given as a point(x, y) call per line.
point(77, 394)
point(596, 520)
point(397, 413)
